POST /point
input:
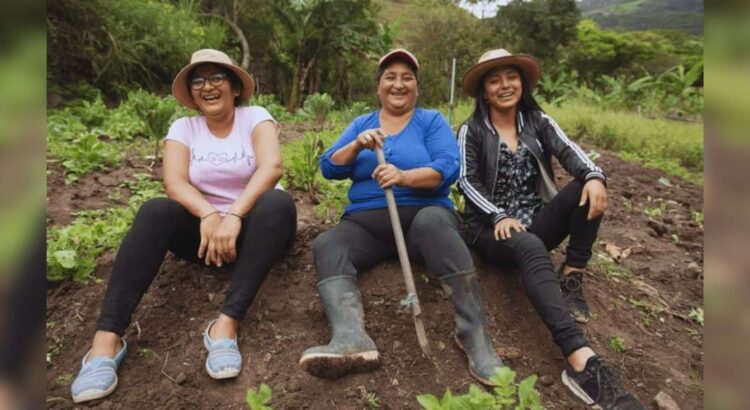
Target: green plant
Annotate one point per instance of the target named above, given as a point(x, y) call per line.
point(318, 106)
point(348, 113)
point(371, 400)
point(270, 103)
point(506, 395)
point(332, 197)
point(301, 162)
point(617, 344)
point(156, 113)
point(259, 400)
point(647, 309)
point(72, 251)
point(697, 216)
point(609, 267)
point(696, 314)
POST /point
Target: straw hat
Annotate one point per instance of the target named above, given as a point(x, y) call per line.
point(180, 88)
point(500, 57)
point(399, 53)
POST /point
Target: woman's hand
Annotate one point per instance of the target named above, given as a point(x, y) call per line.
point(207, 249)
point(503, 228)
point(225, 239)
point(370, 139)
point(595, 193)
point(388, 175)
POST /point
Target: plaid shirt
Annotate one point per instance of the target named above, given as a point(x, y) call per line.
point(515, 189)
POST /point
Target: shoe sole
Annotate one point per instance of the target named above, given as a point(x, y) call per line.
point(471, 372)
point(225, 374)
point(331, 366)
point(88, 396)
point(578, 391)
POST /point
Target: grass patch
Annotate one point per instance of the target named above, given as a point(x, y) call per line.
point(617, 344)
point(673, 147)
point(610, 268)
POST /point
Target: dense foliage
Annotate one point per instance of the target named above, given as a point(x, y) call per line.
point(306, 47)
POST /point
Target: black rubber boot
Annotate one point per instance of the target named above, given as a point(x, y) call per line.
point(351, 349)
point(471, 326)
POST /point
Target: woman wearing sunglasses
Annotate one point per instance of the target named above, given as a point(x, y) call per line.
point(224, 207)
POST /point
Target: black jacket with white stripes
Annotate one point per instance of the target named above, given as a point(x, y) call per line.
point(479, 144)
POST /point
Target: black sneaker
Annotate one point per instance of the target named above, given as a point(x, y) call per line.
point(597, 385)
point(572, 289)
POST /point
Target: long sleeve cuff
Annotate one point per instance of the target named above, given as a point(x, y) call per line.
point(596, 175)
point(497, 217)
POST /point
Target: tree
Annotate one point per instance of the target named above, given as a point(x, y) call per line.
point(537, 27)
point(314, 29)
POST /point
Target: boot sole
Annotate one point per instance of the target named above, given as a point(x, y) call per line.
point(578, 391)
point(331, 366)
point(482, 380)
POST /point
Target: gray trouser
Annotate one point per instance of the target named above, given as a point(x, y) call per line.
point(363, 239)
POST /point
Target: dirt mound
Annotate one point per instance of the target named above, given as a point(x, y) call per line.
point(645, 300)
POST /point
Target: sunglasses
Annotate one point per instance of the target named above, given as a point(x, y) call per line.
point(197, 83)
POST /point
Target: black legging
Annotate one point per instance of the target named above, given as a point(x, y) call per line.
point(163, 224)
point(560, 218)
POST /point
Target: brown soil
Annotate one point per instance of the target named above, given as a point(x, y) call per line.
point(165, 364)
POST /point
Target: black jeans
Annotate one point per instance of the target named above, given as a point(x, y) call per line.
point(363, 239)
point(560, 218)
point(163, 224)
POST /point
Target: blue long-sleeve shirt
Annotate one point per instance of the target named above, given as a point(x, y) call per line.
point(426, 141)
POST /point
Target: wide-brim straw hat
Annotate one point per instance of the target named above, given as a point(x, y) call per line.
point(400, 53)
point(492, 59)
point(181, 89)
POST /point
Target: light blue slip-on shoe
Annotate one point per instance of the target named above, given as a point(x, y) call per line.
point(224, 360)
point(98, 377)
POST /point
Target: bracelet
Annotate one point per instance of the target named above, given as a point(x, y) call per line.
point(232, 213)
point(208, 214)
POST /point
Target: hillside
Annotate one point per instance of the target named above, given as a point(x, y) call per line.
point(684, 15)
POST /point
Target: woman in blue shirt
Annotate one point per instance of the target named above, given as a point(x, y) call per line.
point(422, 162)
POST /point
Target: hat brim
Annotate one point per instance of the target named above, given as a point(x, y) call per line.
point(181, 91)
point(531, 68)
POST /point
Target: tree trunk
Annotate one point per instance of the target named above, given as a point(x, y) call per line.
point(245, 64)
point(291, 104)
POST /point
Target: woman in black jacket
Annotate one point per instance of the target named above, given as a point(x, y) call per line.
point(515, 213)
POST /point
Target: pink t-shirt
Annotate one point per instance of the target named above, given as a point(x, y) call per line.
point(220, 168)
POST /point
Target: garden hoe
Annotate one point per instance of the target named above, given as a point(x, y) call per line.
point(411, 297)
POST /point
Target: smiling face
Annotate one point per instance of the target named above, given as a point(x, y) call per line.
point(212, 100)
point(503, 88)
point(397, 88)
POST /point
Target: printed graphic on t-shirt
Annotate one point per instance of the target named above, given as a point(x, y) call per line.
point(219, 158)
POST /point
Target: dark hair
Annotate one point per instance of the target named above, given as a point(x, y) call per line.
point(526, 105)
point(234, 80)
point(390, 61)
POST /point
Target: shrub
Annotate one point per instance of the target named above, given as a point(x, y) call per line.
point(270, 103)
point(318, 106)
